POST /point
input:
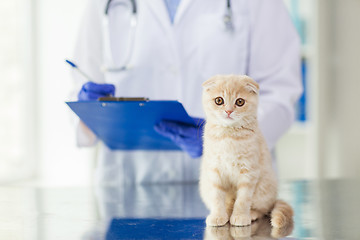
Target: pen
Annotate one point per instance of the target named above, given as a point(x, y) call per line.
point(78, 69)
point(83, 74)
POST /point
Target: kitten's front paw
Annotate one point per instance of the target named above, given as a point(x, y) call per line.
point(216, 220)
point(240, 220)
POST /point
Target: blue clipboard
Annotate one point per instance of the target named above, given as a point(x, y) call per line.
point(129, 125)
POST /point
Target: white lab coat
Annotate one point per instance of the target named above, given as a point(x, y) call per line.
point(171, 62)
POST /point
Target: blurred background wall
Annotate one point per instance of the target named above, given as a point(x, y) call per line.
point(37, 140)
point(37, 135)
point(338, 126)
point(60, 161)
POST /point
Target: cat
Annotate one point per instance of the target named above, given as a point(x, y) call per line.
point(237, 182)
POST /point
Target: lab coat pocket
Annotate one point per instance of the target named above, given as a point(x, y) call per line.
point(222, 51)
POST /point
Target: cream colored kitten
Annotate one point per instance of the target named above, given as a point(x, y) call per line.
point(237, 182)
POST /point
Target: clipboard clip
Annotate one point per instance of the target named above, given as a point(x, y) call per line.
point(123, 99)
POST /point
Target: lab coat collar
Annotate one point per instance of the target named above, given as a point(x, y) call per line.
point(160, 12)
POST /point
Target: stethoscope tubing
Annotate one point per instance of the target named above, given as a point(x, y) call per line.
point(133, 24)
point(133, 6)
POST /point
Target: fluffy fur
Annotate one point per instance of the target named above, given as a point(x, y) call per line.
point(237, 182)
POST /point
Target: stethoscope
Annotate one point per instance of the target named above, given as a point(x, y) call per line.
point(228, 21)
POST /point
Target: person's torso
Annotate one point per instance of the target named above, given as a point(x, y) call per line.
point(169, 62)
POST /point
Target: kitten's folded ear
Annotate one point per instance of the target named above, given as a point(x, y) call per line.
point(251, 85)
point(209, 83)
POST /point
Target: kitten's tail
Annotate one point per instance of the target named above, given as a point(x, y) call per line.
point(282, 219)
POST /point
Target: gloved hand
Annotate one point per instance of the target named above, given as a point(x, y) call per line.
point(187, 137)
point(92, 91)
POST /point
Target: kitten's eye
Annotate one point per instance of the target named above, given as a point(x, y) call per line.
point(240, 102)
point(219, 101)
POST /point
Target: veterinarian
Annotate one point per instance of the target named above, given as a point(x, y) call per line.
point(165, 50)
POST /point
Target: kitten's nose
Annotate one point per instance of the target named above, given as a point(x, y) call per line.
point(228, 112)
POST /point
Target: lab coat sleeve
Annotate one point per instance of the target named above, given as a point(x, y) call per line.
point(88, 55)
point(274, 62)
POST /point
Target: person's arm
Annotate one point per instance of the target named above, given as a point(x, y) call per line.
point(88, 55)
point(274, 62)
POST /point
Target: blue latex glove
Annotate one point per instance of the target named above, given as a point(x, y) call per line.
point(187, 137)
point(92, 91)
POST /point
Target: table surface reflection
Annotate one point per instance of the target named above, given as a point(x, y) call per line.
point(323, 210)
